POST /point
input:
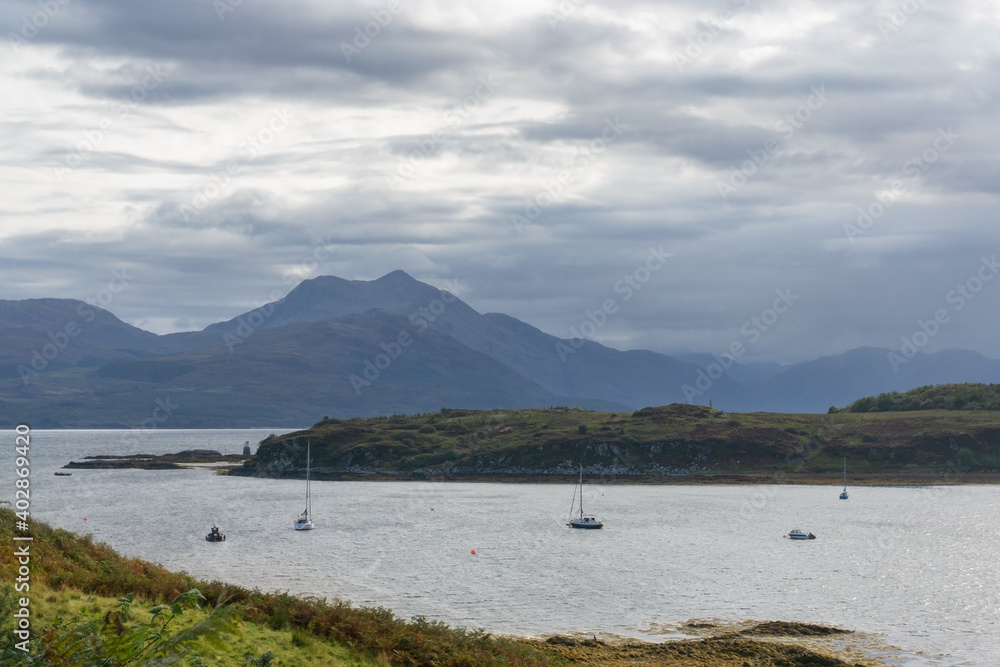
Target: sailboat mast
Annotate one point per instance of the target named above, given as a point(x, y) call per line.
point(581, 490)
point(308, 496)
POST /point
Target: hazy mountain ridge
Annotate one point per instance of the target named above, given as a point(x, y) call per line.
point(392, 345)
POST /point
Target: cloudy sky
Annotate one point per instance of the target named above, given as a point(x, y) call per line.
point(541, 155)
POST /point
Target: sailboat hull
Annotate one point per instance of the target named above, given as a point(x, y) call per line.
point(588, 524)
point(308, 525)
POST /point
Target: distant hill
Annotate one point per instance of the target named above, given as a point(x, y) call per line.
point(45, 335)
point(966, 396)
point(66, 363)
point(288, 374)
point(590, 374)
point(841, 379)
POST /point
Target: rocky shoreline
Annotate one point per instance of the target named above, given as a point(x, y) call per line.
point(191, 458)
point(696, 479)
point(761, 643)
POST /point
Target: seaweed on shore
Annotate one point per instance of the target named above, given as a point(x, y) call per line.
point(725, 651)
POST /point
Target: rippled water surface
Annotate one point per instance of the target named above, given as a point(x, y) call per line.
point(919, 567)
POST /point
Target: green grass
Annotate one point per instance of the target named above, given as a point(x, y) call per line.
point(287, 647)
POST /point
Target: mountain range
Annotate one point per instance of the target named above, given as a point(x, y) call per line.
point(340, 348)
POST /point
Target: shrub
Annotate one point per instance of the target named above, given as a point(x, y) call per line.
point(428, 429)
point(581, 429)
point(967, 458)
point(115, 637)
point(279, 619)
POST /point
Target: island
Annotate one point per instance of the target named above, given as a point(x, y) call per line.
point(940, 435)
point(189, 458)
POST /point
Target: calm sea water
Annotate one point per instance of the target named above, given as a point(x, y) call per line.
point(914, 568)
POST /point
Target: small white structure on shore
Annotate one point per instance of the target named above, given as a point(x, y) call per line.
point(246, 449)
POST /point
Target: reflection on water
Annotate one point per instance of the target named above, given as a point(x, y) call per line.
point(921, 566)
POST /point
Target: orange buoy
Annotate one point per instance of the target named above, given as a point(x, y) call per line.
point(473, 552)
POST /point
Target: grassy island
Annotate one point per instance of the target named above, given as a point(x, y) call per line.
point(669, 444)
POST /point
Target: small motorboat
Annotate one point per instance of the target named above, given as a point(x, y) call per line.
point(585, 522)
point(215, 536)
point(797, 534)
point(63, 474)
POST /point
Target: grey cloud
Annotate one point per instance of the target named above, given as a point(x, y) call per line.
point(656, 184)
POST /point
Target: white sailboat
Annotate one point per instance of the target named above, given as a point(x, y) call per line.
point(582, 521)
point(304, 522)
point(843, 494)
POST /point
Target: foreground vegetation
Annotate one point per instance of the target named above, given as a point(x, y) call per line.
point(655, 443)
point(91, 606)
point(64, 561)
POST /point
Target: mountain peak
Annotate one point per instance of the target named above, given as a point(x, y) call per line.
point(398, 276)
